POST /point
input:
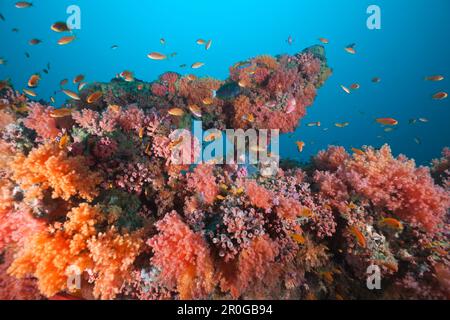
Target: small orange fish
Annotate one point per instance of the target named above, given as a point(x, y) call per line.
point(66, 40)
point(358, 235)
point(61, 113)
point(64, 141)
point(300, 145)
point(358, 151)
point(81, 85)
point(298, 238)
point(328, 276)
point(324, 40)
point(208, 101)
point(63, 82)
point(127, 76)
point(141, 133)
point(210, 137)
point(78, 78)
point(352, 206)
point(157, 56)
point(29, 92)
point(197, 65)
point(59, 27)
point(147, 150)
point(355, 86)
point(115, 108)
point(440, 251)
point(23, 4)
point(434, 78)
point(220, 197)
point(387, 121)
point(71, 94)
point(34, 42)
point(200, 42)
point(393, 266)
point(440, 96)
point(178, 112)
point(306, 212)
point(191, 77)
point(350, 50)
point(208, 45)
point(345, 89)
point(93, 97)
point(140, 87)
point(341, 124)
point(392, 223)
point(196, 111)
point(249, 117)
point(175, 143)
point(34, 81)
point(243, 83)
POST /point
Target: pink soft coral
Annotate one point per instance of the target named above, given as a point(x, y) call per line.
point(258, 195)
point(331, 158)
point(203, 182)
point(395, 184)
point(183, 257)
point(39, 119)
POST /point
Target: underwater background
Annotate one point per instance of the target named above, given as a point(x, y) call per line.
point(411, 45)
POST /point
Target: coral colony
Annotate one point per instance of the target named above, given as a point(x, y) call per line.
point(95, 206)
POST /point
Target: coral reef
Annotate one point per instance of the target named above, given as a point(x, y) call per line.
point(91, 191)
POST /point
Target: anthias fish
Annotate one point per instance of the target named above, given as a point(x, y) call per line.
point(66, 40)
point(387, 121)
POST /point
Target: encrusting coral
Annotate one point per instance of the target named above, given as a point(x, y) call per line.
point(94, 193)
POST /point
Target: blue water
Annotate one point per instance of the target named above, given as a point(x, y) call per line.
point(412, 44)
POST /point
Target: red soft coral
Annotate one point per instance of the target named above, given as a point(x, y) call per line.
point(183, 257)
point(254, 269)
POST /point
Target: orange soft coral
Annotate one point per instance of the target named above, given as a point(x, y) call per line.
point(49, 167)
point(48, 254)
point(113, 256)
point(183, 257)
